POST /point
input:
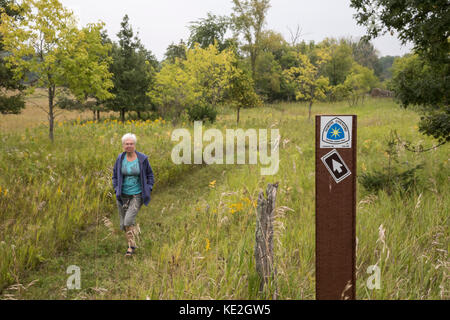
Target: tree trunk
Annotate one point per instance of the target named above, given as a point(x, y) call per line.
point(238, 109)
point(264, 234)
point(98, 115)
point(122, 115)
point(139, 115)
point(309, 111)
point(253, 63)
point(51, 117)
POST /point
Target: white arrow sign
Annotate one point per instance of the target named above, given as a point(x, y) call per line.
point(337, 166)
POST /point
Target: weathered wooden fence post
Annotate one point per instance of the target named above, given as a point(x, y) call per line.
point(264, 234)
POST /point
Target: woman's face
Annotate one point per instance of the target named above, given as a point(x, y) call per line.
point(129, 146)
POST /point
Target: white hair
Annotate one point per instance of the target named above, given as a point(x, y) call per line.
point(129, 136)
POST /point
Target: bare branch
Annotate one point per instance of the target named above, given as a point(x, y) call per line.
point(295, 36)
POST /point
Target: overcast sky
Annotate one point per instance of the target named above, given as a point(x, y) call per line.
point(160, 23)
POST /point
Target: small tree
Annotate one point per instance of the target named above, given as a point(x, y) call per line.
point(133, 68)
point(241, 93)
point(47, 43)
point(173, 90)
point(203, 77)
point(358, 83)
point(309, 85)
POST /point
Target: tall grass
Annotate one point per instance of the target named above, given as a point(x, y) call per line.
point(198, 242)
point(50, 192)
point(204, 248)
point(405, 234)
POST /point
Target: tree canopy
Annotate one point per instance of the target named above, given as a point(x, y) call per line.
point(11, 102)
point(425, 23)
point(47, 43)
point(207, 30)
point(417, 82)
point(424, 79)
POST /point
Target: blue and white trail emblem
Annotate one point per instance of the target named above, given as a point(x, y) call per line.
point(336, 132)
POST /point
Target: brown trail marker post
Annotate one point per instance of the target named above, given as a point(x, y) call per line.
point(335, 207)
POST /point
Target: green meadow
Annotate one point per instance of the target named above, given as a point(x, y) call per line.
point(196, 241)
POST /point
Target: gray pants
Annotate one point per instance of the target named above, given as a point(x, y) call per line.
point(129, 210)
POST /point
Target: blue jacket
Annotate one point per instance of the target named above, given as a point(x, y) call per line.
point(147, 178)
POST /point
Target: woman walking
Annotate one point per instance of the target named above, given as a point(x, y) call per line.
point(133, 182)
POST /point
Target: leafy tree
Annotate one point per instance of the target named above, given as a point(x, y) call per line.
point(204, 76)
point(212, 71)
point(249, 18)
point(208, 30)
point(55, 50)
point(309, 85)
point(175, 51)
point(134, 71)
point(241, 93)
point(416, 82)
point(340, 61)
point(91, 102)
point(9, 103)
point(359, 82)
point(425, 24)
point(268, 73)
point(365, 54)
point(86, 95)
point(173, 89)
point(268, 76)
point(386, 63)
point(273, 42)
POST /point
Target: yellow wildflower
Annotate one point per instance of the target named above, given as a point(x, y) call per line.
point(235, 207)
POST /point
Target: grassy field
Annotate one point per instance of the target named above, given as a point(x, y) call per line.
point(35, 114)
point(57, 209)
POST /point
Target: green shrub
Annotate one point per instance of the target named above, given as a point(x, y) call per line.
point(202, 112)
point(393, 180)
